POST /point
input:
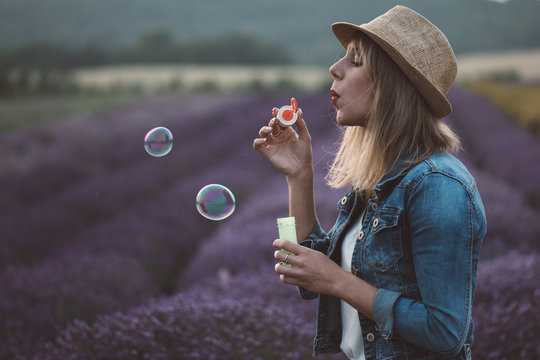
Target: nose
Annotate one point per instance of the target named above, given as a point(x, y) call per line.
point(335, 72)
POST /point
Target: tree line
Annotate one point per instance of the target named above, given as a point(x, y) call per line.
point(44, 67)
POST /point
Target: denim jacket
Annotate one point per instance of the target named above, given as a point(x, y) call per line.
point(419, 245)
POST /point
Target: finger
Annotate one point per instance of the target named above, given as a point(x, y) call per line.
point(282, 269)
point(273, 121)
point(259, 145)
point(274, 111)
point(273, 127)
point(282, 256)
point(276, 126)
point(289, 246)
point(265, 131)
point(301, 126)
point(289, 280)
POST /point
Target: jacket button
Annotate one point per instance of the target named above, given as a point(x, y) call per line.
point(360, 235)
point(370, 337)
point(468, 351)
point(376, 222)
point(374, 206)
point(343, 200)
point(354, 270)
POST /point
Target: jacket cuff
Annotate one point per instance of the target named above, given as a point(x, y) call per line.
point(383, 311)
point(315, 240)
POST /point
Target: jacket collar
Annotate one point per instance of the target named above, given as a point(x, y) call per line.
point(393, 176)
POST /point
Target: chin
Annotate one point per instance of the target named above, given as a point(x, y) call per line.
point(346, 121)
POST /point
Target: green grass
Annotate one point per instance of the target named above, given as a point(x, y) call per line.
point(520, 101)
point(22, 112)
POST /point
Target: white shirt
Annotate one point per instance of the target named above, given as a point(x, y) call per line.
point(352, 343)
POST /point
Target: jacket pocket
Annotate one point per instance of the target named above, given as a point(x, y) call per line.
point(383, 243)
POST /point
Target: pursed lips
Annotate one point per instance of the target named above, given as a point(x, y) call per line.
point(335, 97)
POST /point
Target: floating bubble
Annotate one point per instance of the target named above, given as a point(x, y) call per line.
point(215, 202)
point(158, 141)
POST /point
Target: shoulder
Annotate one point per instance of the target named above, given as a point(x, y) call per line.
point(440, 168)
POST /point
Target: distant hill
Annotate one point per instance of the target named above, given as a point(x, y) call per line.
point(302, 26)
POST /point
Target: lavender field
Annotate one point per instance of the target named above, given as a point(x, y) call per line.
point(103, 254)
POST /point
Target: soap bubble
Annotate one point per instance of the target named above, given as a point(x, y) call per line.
point(215, 202)
point(158, 141)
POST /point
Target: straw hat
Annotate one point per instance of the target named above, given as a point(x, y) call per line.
point(417, 46)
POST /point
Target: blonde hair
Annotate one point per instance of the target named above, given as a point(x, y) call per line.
point(399, 121)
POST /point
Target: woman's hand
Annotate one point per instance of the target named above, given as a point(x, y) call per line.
point(314, 271)
point(310, 269)
point(289, 151)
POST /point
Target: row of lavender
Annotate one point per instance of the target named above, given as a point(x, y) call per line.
point(231, 282)
point(120, 229)
point(91, 224)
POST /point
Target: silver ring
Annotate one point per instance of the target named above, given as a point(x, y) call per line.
point(285, 260)
point(279, 133)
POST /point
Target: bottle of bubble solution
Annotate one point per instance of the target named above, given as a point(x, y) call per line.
point(287, 231)
point(288, 114)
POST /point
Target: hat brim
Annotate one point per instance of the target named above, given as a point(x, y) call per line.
point(435, 99)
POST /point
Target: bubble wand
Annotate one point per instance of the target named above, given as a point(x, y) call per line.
point(288, 114)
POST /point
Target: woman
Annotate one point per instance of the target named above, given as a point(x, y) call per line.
point(395, 276)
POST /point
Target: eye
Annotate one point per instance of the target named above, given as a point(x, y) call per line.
point(356, 60)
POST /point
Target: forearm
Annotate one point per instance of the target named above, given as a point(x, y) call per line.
point(302, 202)
point(356, 292)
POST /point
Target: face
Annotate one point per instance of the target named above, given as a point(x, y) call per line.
point(351, 94)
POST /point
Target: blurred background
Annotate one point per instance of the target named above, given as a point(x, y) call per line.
point(102, 252)
point(65, 47)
